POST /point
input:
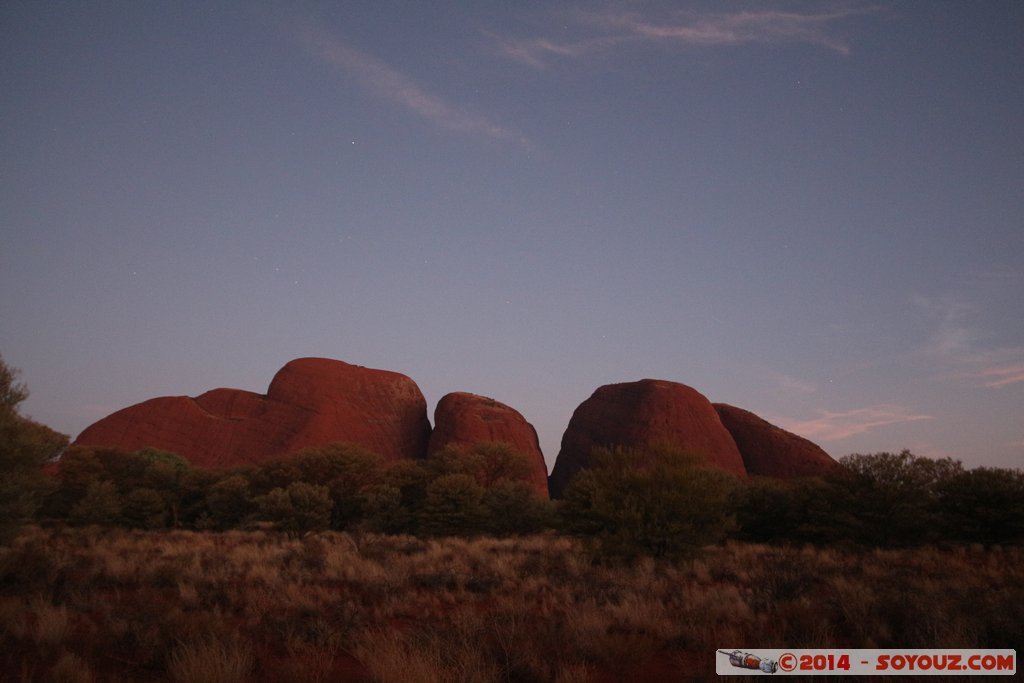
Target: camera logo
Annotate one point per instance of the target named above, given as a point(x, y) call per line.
point(744, 660)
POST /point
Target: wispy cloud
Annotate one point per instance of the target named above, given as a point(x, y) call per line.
point(737, 28)
point(835, 426)
point(793, 384)
point(1002, 376)
point(960, 346)
point(390, 84)
point(535, 51)
point(952, 335)
point(745, 27)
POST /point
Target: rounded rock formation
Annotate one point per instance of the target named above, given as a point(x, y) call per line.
point(645, 413)
point(465, 420)
point(310, 402)
point(771, 451)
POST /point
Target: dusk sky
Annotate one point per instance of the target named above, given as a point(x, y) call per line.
point(814, 211)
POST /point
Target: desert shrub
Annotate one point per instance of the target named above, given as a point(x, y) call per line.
point(298, 509)
point(513, 507)
point(487, 463)
point(192, 509)
point(383, 510)
point(459, 491)
point(348, 471)
point(273, 474)
point(766, 510)
point(452, 506)
point(145, 508)
point(352, 464)
point(983, 505)
point(25, 446)
point(410, 478)
point(79, 467)
point(656, 502)
point(101, 504)
point(124, 469)
point(810, 510)
point(888, 499)
point(168, 475)
point(150, 470)
point(28, 566)
point(230, 501)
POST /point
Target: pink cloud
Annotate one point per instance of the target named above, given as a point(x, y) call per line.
point(765, 27)
point(835, 426)
point(750, 27)
point(1002, 376)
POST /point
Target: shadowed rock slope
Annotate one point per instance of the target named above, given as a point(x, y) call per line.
point(771, 451)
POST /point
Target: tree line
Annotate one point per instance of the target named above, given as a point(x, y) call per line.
point(341, 487)
point(655, 501)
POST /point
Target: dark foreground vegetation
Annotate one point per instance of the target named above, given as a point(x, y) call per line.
point(92, 604)
point(631, 503)
point(336, 565)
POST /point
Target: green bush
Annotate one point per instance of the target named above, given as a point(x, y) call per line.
point(487, 463)
point(166, 474)
point(347, 470)
point(25, 446)
point(101, 504)
point(452, 506)
point(655, 501)
point(145, 508)
point(384, 512)
point(230, 501)
point(299, 509)
point(885, 500)
point(891, 499)
point(983, 505)
point(809, 510)
point(513, 507)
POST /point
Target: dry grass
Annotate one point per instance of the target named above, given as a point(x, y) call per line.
point(111, 606)
point(70, 668)
point(210, 661)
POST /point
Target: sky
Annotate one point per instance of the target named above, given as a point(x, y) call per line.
point(810, 210)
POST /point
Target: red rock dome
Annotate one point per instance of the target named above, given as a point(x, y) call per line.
point(465, 420)
point(644, 413)
point(310, 402)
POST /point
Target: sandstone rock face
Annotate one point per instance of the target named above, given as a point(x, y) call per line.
point(310, 402)
point(771, 451)
point(464, 420)
point(644, 413)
